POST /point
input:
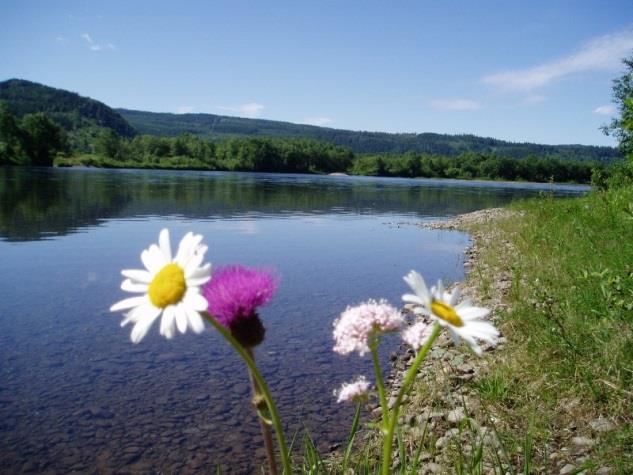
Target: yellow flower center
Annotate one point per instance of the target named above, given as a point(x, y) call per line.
point(446, 313)
point(168, 286)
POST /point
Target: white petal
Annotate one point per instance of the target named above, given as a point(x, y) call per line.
point(164, 244)
point(415, 299)
point(417, 284)
point(454, 297)
point(483, 331)
point(167, 324)
point(129, 303)
point(129, 286)
point(473, 344)
point(195, 301)
point(157, 256)
point(142, 311)
point(152, 262)
point(439, 290)
point(193, 263)
point(181, 318)
point(197, 282)
point(142, 327)
point(452, 330)
point(464, 304)
point(472, 313)
point(201, 249)
point(195, 320)
point(200, 272)
point(187, 248)
point(141, 276)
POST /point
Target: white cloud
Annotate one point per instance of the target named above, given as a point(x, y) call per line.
point(605, 110)
point(250, 109)
point(94, 46)
point(184, 109)
point(317, 121)
point(454, 104)
point(61, 40)
point(602, 53)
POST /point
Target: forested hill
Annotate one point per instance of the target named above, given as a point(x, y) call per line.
point(211, 126)
point(68, 109)
point(84, 118)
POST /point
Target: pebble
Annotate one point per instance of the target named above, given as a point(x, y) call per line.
point(456, 415)
point(583, 442)
point(432, 468)
point(569, 468)
point(602, 425)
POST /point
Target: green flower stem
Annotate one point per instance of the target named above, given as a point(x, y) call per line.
point(380, 384)
point(264, 424)
point(352, 435)
point(387, 444)
point(274, 415)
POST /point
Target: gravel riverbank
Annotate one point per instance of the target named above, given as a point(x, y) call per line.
point(443, 411)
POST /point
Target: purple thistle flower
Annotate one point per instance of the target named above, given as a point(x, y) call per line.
point(235, 292)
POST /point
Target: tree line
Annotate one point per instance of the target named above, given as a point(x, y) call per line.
point(35, 139)
point(216, 127)
point(470, 165)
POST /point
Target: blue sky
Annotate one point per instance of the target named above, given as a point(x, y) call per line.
point(538, 71)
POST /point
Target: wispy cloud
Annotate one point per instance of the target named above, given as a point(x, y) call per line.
point(454, 104)
point(184, 109)
point(605, 110)
point(94, 46)
point(602, 53)
point(250, 109)
point(320, 121)
point(61, 40)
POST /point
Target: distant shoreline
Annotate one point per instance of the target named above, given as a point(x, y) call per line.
point(66, 164)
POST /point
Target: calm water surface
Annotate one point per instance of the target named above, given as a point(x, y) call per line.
point(76, 395)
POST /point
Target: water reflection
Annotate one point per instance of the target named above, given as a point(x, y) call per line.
point(40, 203)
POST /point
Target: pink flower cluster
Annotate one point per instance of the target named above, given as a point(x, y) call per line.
point(416, 335)
point(357, 325)
point(353, 392)
point(235, 292)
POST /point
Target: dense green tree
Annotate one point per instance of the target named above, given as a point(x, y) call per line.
point(43, 139)
point(11, 139)
point(108, 144)
point(33, 140)
point(622, 127)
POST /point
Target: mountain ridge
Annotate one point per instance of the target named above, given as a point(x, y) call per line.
point(214, 126)
point(84, 116)
point(69, 109)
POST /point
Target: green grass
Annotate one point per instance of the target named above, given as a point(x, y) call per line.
point(569, 357)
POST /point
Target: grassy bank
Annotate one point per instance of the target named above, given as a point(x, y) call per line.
point(570, 328)
point(555, 396)
point(558, 394)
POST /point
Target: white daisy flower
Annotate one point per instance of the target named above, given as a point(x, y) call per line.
point(170, 286)
point(463, 320)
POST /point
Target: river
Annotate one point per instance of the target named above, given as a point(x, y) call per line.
point(77, 395)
